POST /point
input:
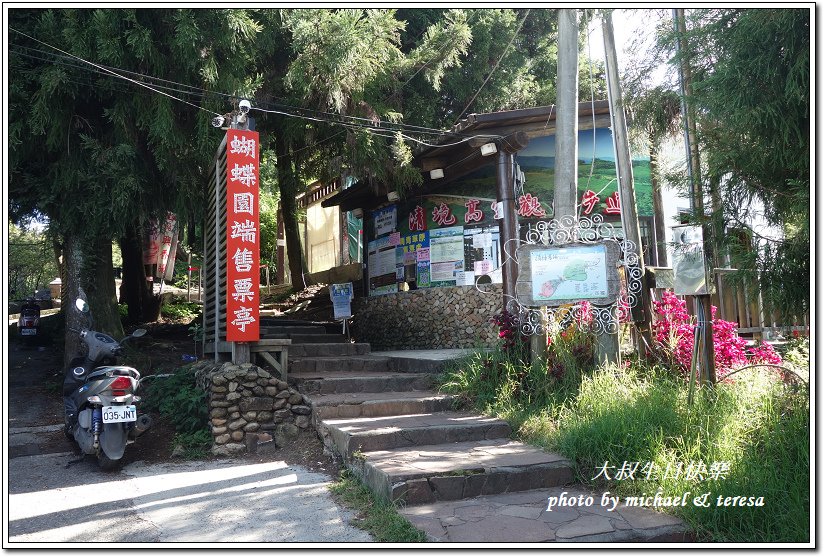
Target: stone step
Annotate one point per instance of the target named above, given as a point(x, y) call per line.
point(350, 363)
point(462, 470)
point(524, 517)
point(356, 405)
point(327, 349)
point(272, 330)
point(300, 338)
point(346, 436)
point(332, 382)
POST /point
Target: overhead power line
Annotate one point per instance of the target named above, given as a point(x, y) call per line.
point(495, 67)
point(383, 128)
point(111, 72)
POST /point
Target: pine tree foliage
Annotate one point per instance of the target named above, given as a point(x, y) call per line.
point(752, 94)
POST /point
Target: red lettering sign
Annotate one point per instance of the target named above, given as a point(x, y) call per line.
point(613, 205)
point(473, 214)
point(589, 201)
point(443, 216)
point(417, 219)
point(529, 206)
point(242, 236)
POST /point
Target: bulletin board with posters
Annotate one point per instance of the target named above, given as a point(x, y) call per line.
point(440, 241)
point(482, 254)
point(382, 265)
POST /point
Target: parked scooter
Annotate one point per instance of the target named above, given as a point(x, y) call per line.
point(28, 324)
point(99, 397)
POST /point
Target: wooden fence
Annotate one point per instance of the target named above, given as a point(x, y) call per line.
point(755, 319)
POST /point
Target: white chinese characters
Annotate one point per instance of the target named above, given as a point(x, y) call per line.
point(246, 231)
point(243, 146)
point(243, 202)
point(246, 174)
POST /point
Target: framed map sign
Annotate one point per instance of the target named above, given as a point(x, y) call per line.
point(557, 275)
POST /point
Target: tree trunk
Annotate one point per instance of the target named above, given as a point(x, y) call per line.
point(135, 290)
point(657, 205)
point(89, 266)
point(288, 190)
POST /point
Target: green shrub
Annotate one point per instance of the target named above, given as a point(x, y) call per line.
point(180, 309)
point(378, 517)
point(178, 399)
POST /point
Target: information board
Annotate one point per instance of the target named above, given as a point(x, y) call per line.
point(556, 275)
point(446, 255)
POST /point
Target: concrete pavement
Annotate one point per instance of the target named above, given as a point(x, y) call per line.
point(52, 500)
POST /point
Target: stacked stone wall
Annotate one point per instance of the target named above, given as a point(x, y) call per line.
point(247, 406)
point(452, 317)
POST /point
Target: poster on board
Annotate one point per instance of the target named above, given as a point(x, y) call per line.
point(382, 259)
point(446, 255)
point(385, 220)
point(482, 252)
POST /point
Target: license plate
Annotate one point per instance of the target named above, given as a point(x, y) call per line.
point(28, 332)
point(115, 414)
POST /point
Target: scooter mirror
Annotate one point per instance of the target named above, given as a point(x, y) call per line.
point(138, 333)
point(82, 305)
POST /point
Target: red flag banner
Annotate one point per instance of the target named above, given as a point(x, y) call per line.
point(242, 236)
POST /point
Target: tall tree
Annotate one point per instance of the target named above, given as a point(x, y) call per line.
point(426, 67)
point(751, 81)
point(657, 115)
point(97, 153)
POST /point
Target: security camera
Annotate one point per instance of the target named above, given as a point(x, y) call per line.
point(244, 106)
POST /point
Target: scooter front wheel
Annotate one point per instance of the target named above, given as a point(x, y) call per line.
point(107, 464)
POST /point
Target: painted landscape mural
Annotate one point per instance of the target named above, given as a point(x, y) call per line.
point(596, 173)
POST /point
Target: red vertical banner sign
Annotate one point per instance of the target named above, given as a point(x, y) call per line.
point(242, 236)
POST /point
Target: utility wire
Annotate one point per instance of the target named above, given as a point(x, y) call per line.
point(202, 93)
point(495, 67)
point(113, 73)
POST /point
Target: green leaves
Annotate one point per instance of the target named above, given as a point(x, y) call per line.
point(752, 100)
point(339, 52)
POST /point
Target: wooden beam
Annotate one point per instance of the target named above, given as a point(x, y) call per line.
point(433, 163)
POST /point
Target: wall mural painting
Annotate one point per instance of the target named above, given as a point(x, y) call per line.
point(454, 240)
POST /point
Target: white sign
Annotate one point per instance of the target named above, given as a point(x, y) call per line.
point(385, 220)
point(573, 273)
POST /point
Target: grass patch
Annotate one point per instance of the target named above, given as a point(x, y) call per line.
point(757, 425)
point(380, 518)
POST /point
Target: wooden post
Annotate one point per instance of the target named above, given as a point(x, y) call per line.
point(509, 222)
point(189, 277)
point(566, 121)
point(642, 312)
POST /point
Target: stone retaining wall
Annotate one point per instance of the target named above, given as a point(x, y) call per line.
point(247, 406)
point(453, 317)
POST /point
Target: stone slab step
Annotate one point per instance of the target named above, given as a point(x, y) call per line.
point(349, 363)
point(460, 470)
point(300, 338)
point(391, 432)
point(523, 517)
point(331, 382)
point(327, 349)
point(356, 405)
point(292, 329)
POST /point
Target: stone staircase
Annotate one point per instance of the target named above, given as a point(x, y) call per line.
point(452, 472)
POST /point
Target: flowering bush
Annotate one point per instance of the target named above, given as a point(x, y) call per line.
point(675, 333)
point(507, 329)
